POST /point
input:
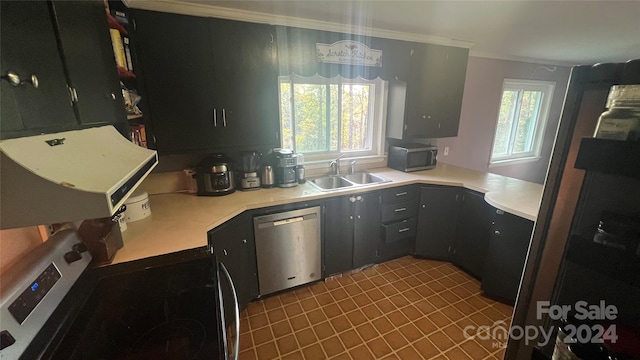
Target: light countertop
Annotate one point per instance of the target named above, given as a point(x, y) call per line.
point(180, 221)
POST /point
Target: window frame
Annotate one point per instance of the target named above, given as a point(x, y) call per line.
point(376, 126)
point(547, 88)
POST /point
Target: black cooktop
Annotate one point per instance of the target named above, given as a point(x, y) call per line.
point(152, 309)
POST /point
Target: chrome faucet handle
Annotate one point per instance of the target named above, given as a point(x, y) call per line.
point(335, 169)
point(352, 167)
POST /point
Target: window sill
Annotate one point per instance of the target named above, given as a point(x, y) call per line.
point(518, 161)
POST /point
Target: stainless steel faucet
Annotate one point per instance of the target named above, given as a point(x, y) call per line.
point(335, 165)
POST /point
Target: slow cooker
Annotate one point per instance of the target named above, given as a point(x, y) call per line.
point(215, 176)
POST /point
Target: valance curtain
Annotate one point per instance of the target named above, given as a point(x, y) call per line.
point(297, 54)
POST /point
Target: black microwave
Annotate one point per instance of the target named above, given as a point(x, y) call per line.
point(412, 157)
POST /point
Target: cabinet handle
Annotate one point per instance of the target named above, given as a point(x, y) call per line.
point(400, 209)
point(401, 193)
point(497, 233)
point(350, 217)
point(224, 251)
point(14, 79)
point(403, 230)
point(358, 216)
point(359, 198)
point(424, 206)
point(244, 241)
point(224, 118)
point(352, 199)
point(236, 308)
point(499, 212)
point(215, 118)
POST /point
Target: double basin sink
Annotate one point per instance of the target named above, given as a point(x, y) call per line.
point(336, 182)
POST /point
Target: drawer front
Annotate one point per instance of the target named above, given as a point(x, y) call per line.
point(400, 194)
point(399, 230)
point(397, 211)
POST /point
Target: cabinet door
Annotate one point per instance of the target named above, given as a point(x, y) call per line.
point(366, 232)
point(506, 255)
point(245, 70)
point(434, 90)
point(176, 59)
point(235, 248)
point(472, 237)
point(437, 221)
point(338, 235)
point(86, 43)
point(29, 47)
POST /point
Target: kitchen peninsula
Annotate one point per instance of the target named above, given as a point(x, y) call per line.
point(180, 221)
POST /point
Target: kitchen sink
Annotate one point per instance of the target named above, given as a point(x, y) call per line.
point(330, 182)
point(364, 178)
point(336, 182)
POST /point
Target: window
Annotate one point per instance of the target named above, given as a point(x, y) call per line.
point(521, 120)
point(324, 118)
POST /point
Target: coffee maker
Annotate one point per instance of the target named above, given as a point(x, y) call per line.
point(250, 170)
point(286, 168)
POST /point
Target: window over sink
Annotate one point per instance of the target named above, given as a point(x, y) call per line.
point(522, 117)
point(324, 118)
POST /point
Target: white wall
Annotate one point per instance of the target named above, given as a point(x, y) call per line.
point(480, 104)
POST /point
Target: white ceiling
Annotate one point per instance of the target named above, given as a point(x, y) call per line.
point(557, 32)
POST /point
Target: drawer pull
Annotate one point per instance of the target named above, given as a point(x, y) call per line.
point(403, 230)
point(400, 209)
point(401, 193)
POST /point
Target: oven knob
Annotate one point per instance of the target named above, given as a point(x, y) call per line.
point(79, 247)
point(72, 256)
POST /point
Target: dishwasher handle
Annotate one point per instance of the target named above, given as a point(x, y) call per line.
point(236, 343)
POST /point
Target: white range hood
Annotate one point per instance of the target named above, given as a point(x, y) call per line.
point(68, 176)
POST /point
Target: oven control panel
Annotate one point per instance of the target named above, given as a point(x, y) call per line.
point(33, 288)
point(21, 307)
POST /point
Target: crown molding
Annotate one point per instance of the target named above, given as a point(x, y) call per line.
point(204, 10)
point(493, 56)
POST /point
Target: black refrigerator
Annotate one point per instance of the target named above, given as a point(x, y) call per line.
point(591, 183)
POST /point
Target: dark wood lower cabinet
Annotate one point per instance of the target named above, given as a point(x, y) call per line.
point(351, 232)
point(398, 217)
point(338, 235)
point(234, 246)
point(437, 221)
point(506, 255)
point(366, 230)
point(473, 233)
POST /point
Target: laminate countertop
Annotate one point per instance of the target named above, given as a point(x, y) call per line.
point(180, 221)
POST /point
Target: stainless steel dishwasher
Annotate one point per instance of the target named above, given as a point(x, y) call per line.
point(288, 249)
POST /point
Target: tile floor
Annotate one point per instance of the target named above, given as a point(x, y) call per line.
point(403, 309)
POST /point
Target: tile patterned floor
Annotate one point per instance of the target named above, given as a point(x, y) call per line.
point(402, 309)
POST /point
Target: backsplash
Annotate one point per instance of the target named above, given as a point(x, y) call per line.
point(175, 181)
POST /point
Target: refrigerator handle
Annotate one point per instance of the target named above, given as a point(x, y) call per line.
point(236, 343)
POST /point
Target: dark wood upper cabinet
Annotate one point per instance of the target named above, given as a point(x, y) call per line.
point(66, 45)
point(93, 74)
point(29, 47)
point(209, 83)
point(175, 56)
point(428, 103)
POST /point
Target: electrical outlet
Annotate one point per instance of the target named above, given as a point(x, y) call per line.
point(446, 150)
